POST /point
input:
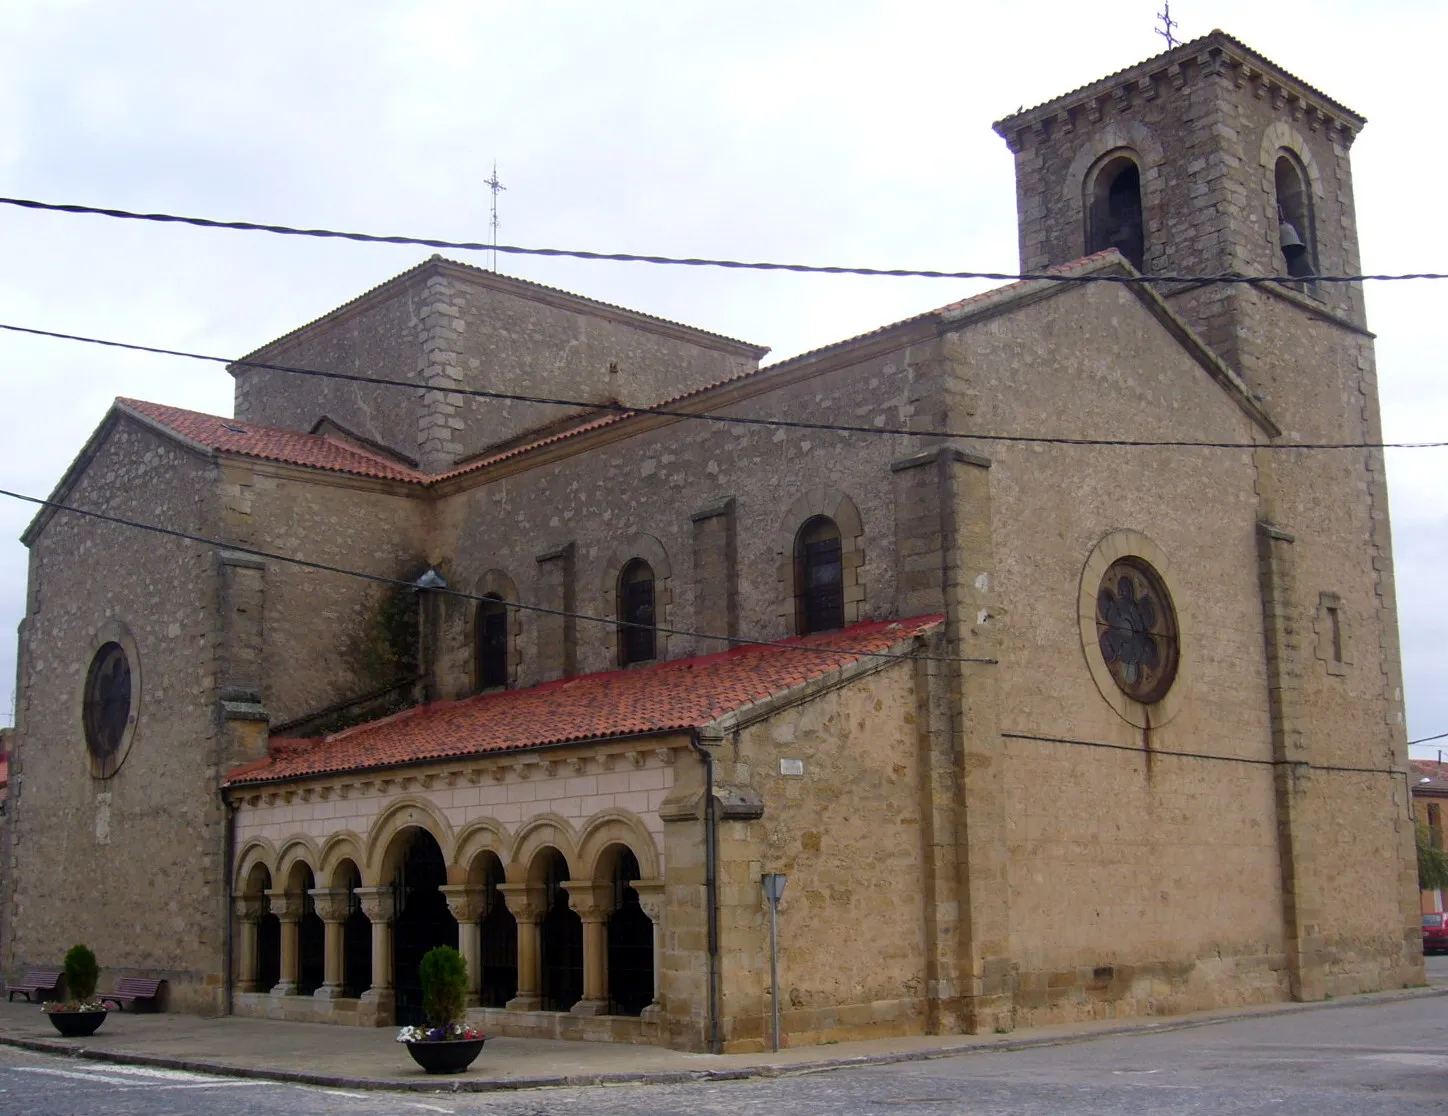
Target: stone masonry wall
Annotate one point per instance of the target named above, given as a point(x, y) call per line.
point(131, 865)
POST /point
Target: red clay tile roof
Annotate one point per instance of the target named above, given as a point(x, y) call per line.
point(1428, 777)
point(669, 696)
point(317, 451)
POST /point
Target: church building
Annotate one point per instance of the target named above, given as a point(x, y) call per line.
point(1022, 636)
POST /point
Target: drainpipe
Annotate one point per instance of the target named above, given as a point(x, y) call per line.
point(226, 935)
point(711, 887)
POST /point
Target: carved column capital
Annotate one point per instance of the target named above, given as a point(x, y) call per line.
point(286, 905)
point(332, 903)
point(593, 901)
point(651, 898)
point(379, 904)
point(527, 902)
point(464, 900)
point(249, 908)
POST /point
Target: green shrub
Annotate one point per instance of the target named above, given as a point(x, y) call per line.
point(81, 973)
point(444, 976)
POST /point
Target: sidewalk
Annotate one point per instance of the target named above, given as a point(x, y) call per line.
point(357, 1058)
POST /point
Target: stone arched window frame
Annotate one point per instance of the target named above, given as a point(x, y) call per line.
point(497, 581)
point(652, 551)
point(1133, 139)
point(1096, 187)
point(834, 505)
point(1281, 140)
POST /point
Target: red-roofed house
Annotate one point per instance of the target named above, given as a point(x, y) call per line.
point(1014, 633)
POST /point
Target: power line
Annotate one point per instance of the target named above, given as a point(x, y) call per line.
point(1428, 739)
point(622, 410)
point(1153, 753)
point(692, 261)
point(448, 591)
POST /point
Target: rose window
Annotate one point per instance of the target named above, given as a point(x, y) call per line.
point(1136, 630)
point(107, 701)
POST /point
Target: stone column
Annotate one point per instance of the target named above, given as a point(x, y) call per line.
point(651, 899)
point(287, 906)
point(528, 904)
point(466, 904)
point(379, 904)
point(331, 906)
point(249, 909)
point(593, 903)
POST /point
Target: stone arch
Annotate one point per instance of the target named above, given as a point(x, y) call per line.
point(1113, 221)
point(383, 852)
point(482, 836)
point(1125, 137)
point(615, 827)
point(652, 551)
point(296, 851)
point(542, 832)
point(1281, 136)
point(838, 507)
point(338, 849)
point(256, 853)
point(496, 582)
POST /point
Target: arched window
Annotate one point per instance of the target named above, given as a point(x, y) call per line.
point(636, 610)
point(1296, 236)
point(819, 576)
point(1115, 211)
point(492, 635)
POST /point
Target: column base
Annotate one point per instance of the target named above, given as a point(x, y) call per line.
point(653, 1013)
point(329, 992)
point(589, 1007)
point(377, 1007)
point(284, 988)
point(525, 1003)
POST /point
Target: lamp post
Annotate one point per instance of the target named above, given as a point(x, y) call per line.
point(773, 883)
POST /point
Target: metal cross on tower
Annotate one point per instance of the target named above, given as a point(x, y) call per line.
point(1168, 25)
point(496, 187)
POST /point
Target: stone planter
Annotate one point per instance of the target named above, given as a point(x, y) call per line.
point(77, 1024)
point(446, 1055)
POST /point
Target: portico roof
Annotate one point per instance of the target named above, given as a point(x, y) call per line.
point(673, 696)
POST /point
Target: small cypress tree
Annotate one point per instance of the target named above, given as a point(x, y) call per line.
point(444, 977)
point(81, 973)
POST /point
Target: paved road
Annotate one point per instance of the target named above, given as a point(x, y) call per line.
point(1359, 1061)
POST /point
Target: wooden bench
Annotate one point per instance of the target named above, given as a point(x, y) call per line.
point(133, 990)
point(37, 982)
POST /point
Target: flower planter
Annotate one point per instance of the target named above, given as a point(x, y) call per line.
point(445, 1055)
point(77, 1024)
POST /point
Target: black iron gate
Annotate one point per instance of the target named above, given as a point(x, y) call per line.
point(423, 921)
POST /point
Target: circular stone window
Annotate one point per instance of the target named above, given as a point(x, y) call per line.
point(1136, 630)
point(108, 703)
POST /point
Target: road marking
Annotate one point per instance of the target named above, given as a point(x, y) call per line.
point(340, 1093)
point(74, 1076)
point(429, 1107)
point(136, 1078)
point(1435, 1061)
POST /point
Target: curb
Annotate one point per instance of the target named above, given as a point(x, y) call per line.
point(681, 1077)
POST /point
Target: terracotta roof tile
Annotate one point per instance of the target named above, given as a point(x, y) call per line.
point(1428, 776)
point(317, 451)
point(668, 696)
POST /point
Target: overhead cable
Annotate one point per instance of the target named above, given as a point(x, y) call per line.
point(450, 592)
point(690, 261)
point(676, 412)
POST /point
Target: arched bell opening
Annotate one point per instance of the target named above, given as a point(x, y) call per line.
point(356, 934)
point(1296, 231)
point(630, 936)
point(1114, 210)
point(560, 936)
point(423, 918)
point(498, 931)
point(311, 933)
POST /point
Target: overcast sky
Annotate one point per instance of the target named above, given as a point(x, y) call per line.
point(834, 132)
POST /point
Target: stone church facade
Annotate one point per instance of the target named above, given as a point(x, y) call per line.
point(1039, 731)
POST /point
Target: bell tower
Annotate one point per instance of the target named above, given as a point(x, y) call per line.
point(1211, 160)
point(1205, 160)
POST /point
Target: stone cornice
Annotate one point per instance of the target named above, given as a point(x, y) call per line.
point(1215, 55)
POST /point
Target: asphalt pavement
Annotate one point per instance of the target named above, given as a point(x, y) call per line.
point(1387, 1057)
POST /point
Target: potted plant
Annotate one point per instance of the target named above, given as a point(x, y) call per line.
point(83, 1012)
point(446, 1044)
